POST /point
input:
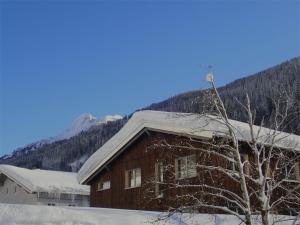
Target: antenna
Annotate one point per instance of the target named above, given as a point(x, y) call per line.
point(210, 76)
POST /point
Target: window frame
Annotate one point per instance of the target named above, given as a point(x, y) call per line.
point(297, 171)
point(137, 179)
point(232, 166)
point(159, 177)
point(101, 185)
point(187, 174)
point(294, 174)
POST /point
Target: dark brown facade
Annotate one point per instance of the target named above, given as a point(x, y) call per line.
point(144, 154)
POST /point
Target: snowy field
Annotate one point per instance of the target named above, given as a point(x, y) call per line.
point(47, 215)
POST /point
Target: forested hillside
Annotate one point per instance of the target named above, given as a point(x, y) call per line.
point(67, 155)
point(262, 87)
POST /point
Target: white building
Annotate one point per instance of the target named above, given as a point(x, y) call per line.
point(41, 187)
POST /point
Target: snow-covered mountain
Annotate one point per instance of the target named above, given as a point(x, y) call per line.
point(81, 123)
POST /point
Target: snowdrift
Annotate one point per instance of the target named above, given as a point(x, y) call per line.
point(46, 215)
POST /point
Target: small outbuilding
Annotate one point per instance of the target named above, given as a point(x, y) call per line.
point(41, 187)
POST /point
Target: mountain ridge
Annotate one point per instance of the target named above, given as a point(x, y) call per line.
point(82, 123)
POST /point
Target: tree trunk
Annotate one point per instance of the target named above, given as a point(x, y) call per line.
point(265, 217)
point(248, 219)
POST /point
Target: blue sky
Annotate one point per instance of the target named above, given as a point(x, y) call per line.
point(60, 59)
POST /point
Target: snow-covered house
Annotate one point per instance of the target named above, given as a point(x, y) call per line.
point(41, 187)
point(119, 171)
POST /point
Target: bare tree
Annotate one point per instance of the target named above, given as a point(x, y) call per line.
point(244, 177)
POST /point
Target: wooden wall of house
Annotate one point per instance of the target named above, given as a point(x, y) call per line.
point(118, 196)
point(144, 153)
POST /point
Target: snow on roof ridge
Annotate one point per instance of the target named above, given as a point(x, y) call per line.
point(201, 125)
point(38, 180)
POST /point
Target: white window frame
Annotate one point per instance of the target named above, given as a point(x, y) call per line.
point(103, 185)
point(234, 167)
point(297, 171)
point(231, 166)
point(294, 172)
point(188, 172)
point(159, 177)
point(134, 181)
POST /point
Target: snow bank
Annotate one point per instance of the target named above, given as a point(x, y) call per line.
point(178, 123)
point(45, 180)
point(47, 215)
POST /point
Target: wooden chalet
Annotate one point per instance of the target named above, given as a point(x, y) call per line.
point(122, 171)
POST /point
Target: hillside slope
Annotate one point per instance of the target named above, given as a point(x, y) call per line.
point(261, 87)
point(71, 153)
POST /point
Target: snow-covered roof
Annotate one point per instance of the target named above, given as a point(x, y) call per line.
point(37, 180)
point(205, 126)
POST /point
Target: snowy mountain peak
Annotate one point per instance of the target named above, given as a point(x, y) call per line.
point(83, 123)
point(85, 117)
point(112, 118)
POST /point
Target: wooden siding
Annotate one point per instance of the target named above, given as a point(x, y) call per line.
point(118, 196)
point(142, 154)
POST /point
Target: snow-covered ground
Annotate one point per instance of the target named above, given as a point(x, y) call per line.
point(47, 215)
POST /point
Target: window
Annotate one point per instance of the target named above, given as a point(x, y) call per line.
point(185, 167)
point(231, 166)
point(15, 189)
point(103, 185)
point(267, 171)
point(245, 160)
point(133, 178)
point(80, 197)
point(47, 195)
point(160, 172)
point(234, 167)
point(65, 196)
point(292, 172)
point(159, 177)
point(297, 171)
